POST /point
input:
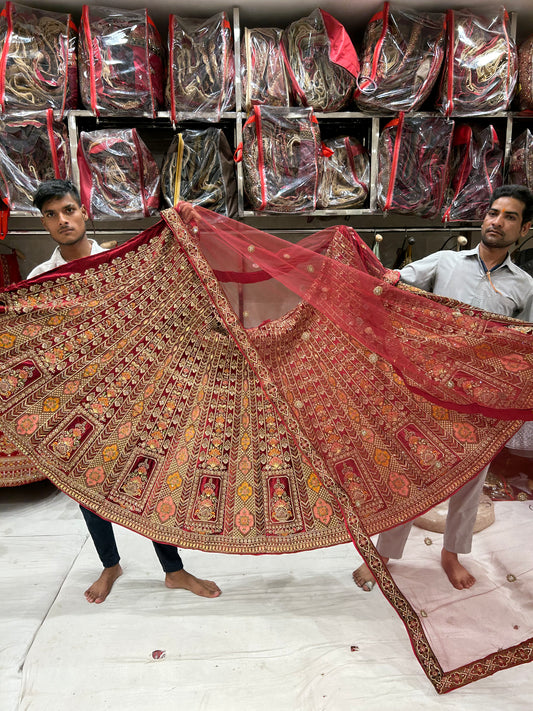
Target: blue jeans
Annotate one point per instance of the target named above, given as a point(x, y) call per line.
point(104, 541)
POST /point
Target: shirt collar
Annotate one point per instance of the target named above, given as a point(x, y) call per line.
point(507, 262)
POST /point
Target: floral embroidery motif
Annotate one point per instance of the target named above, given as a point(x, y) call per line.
point(165, 509)
point(14, 380)
point(421, 449)
point(27, 424)
point(465, 432)
point(245, 491)
point(7, 340)
point(67, 442)
point(207, 500)
point(94, 476)
point(322, 511)
point(399, 484)
point(17, 378)
point(244, 521)
point(351, 482)
point(174, 481)
point(280, 500)
point(110, 453)
point(137, 479)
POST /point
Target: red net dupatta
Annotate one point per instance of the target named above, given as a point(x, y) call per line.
point(214, 387)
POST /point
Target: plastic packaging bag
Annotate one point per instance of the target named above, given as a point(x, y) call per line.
point(413, 164)
point(344, 173)
point(321, 61)
point(201, 75)
point(481, 65)
point(121, 61)
point(521, 160)
point(264, 78)
point(118, 175)
point(525, 74)
point(403, 54)
point(280, 155)
point(38, 60)
point(476, 163)
point(31, 150)
point(199, 168)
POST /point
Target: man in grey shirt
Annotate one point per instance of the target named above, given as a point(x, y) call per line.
point(484, 277)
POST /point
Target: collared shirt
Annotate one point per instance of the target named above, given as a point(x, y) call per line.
point(56, 260)
point(462, 276)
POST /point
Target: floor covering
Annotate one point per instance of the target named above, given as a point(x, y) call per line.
point(290, 632)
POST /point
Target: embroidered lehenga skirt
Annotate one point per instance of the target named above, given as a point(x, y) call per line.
point(211, 386)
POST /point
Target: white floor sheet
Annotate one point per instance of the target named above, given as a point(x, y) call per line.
point(289, 632)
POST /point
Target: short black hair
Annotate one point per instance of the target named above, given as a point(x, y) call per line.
point(52, 189)
point(518, 192)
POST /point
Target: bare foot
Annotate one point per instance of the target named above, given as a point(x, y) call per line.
point(181, 579)
point(100, 589)
point(363, 578)
point(457, 574)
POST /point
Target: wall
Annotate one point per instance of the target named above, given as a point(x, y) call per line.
point(352, 13)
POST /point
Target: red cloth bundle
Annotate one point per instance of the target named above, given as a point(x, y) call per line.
point(476, 163)
point(199, 168)
point(121, 61)
point(119, 176)
point(280, 155)
point(521, 162)
point(31, 150)
point(321, 61)
point(201, 74)
point(403, 53)
point(481, 66)
point(525, 74)
point(344, 173)
point(264, 78)
point(413, 165)
point(9, 269)
point(38, 64)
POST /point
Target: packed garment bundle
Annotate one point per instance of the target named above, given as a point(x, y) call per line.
point(476, 170)
point(119, 177)
point(121, 62)
point(401, 60)
point(264, 76)
point(201, 66)
point(38, 60)
point(321, 62)
point(32, 149)
point(481, 65)
point(198, 167)
point(521, 161)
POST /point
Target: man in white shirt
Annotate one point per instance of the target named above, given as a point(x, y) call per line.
point(64, 217)
point(484, 277)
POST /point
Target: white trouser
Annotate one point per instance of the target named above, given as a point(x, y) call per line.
point(462, 512)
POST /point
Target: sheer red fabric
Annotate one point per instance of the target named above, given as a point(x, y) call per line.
point(454, 355)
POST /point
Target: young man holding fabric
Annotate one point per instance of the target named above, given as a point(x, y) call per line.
point(64, 217)
point(484, 277)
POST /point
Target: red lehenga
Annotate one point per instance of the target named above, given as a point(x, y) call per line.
point(215, 387)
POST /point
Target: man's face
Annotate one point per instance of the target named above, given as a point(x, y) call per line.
point(502, 225)
point(64, 219)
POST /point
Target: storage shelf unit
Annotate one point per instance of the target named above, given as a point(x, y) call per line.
point(157, 133)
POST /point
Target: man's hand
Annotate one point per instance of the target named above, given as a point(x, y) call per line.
point(187, 212)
